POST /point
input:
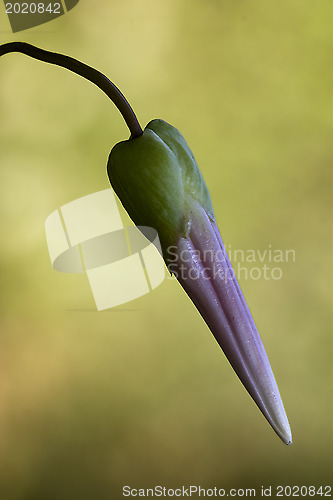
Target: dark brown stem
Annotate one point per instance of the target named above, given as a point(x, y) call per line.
point(83, 70)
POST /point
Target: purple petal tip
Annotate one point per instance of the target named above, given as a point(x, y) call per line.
point(204, 271)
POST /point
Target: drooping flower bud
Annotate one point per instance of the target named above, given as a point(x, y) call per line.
point(160, 185)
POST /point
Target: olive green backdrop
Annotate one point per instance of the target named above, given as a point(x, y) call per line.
point(142, 394)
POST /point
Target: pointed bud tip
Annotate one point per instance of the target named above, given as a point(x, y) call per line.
point(286, 436)
point(287, 439)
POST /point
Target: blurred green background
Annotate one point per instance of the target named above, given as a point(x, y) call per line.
point(142, 394)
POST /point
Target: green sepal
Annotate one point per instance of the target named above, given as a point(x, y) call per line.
point(157, 179)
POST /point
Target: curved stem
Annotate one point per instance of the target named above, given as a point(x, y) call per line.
point(83, 70)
